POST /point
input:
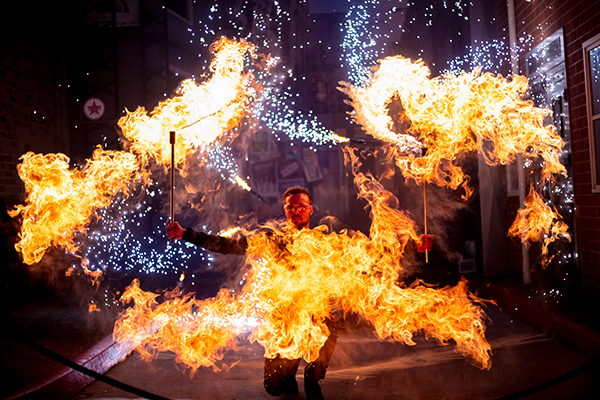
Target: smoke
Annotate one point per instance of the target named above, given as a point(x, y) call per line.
point(204, 196)
point(359, 355)
point(448, 213)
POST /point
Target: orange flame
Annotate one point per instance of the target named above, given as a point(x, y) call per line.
point(94, 275)
point(539, 223)
point(61, 200)
point(298, 279)
point(200, 113)
point(450, 115)
point(197, 337)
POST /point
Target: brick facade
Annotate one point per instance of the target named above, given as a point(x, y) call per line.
point(579, 19)
point(33, 113)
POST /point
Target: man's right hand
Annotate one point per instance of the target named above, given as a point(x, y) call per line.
point(175, 231)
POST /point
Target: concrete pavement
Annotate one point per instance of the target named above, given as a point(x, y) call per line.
point(363, 367)
point(62, 324)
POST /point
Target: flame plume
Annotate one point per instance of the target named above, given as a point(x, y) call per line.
point(200, 113)
point(61, 200)
point(538, 222)
point(199, 338)
point(453, 115)
point(298, 279)
point(450, 115)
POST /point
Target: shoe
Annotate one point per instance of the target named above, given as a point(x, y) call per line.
point(312, 390)
point(289, 387)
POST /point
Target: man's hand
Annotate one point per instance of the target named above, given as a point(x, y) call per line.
point(424, 243)
point(175, 231)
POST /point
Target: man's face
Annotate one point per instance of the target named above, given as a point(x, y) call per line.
point(298, 210)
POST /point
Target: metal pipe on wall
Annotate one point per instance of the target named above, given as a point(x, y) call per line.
point(514, 62)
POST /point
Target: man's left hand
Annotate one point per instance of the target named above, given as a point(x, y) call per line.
point(424, 243)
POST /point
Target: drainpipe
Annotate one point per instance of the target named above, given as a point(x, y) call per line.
point(514, 62)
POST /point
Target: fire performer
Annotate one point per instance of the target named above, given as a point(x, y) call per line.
point(280, 373)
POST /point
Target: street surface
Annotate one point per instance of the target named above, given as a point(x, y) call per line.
point(363, 367)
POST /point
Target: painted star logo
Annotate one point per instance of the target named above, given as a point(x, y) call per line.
point(93, 108)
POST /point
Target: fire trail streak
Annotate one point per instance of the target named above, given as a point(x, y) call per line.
point(297, 279)
point(61, 200)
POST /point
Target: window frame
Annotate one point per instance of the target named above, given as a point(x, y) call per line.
point(588, 45)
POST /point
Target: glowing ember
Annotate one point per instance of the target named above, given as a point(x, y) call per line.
point(339, 139)
point(242, 183)
point(450, 115)
point(298, 278)
point(230, 232)
point(538, 222)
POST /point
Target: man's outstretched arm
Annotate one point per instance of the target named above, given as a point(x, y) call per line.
point(215, 243)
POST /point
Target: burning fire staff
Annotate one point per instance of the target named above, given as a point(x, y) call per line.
point(280, 373)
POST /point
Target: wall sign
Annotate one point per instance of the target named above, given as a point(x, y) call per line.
point(93, 108)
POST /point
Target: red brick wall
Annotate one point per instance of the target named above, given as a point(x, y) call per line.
point(32, 78)
point(580, 20)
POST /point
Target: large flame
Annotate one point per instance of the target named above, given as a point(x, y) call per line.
point(198, 332)
point(298, 279)
point(200, 113)
point(451, 115)
point(61, 201)
point(538, 222)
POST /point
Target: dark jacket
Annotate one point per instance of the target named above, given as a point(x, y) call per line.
point(218, 244)
point(223, 245)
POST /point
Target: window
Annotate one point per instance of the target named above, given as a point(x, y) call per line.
point(182, 8)
point(591, 57)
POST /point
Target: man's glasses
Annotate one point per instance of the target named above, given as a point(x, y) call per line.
point(292, 208)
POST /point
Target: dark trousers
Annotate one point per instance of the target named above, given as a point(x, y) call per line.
point(282, 371)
